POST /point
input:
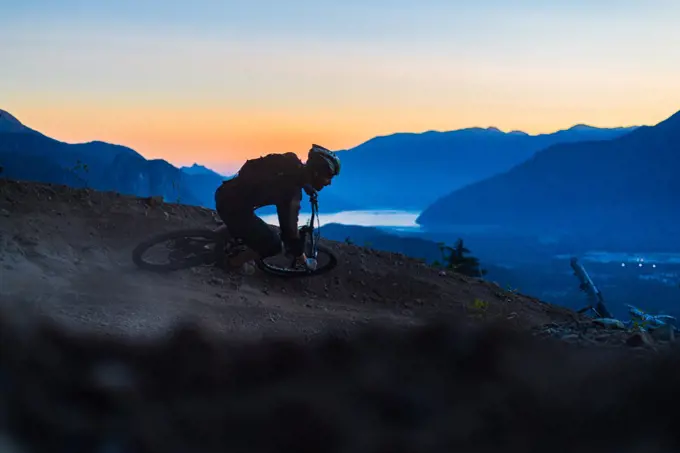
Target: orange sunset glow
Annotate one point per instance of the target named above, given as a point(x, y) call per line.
point(217, 92)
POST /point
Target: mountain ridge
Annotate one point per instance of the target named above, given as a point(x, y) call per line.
point(425, 166)
point(26, 154)
point(592, 185)
point(445, 160)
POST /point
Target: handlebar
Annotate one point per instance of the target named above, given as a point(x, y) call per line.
point(313, 197)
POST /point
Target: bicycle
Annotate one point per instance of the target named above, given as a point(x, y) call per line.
point(205, 247)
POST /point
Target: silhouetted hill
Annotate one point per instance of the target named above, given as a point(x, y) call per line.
point(627, 187)
point(98, 165)
point(26, 154)
point(420, 168)
point(411, 170)
point(197, 169)
point(8, 123)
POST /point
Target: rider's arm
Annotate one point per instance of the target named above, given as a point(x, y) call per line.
point(288, 214)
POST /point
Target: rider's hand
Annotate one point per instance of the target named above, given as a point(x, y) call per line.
point(301, 260)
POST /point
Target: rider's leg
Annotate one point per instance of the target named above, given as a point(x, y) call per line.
point(241, 258)
point(226, 197)
point(260, 238)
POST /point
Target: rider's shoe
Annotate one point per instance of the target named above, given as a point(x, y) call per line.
point(248, 268)
point(243, 269)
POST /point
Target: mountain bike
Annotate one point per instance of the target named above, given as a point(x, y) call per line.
point(205, 247)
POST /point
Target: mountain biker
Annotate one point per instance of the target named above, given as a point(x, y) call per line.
point(275, 179)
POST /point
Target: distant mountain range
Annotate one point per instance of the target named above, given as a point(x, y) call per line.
point(197, 169)
point(30, 155)
point(627, 187)
point(399, 171)
point(412, 170)
point(27, 154)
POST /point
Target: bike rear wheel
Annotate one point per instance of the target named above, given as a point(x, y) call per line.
point(188, 248)
point(326, 259)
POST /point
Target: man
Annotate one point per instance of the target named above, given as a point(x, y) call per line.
point(275, 179)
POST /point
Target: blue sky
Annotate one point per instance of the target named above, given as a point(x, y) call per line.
point(248, 76)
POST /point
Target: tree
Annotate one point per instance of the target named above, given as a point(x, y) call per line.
point(79, 170)
point(455, 258)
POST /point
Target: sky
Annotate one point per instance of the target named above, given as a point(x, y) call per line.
point(216, 82)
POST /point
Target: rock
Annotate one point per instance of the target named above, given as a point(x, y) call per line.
point(4, 213)
point(651, 321)
point(248, 268)
point(665, 332)
point(216, 281)
point(640, 339)
point(610, 323)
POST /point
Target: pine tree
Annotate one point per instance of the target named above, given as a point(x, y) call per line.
point(455, 259)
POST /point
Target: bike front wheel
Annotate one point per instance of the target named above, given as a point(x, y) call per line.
point(326, 260)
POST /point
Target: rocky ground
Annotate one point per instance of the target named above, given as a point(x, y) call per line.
point(590, 333)
point(66, 254)
point(108, 373)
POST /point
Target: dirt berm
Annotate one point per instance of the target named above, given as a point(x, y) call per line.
point(66, 253)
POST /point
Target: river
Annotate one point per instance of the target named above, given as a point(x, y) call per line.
point(405, 221)
point(397, 220)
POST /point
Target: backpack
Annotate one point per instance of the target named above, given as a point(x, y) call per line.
point(268, 167)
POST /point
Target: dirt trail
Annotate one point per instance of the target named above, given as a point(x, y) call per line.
point(65, 253)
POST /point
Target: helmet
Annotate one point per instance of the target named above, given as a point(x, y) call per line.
point(323, 160)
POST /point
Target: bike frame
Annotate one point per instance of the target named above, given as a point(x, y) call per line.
point(314, 233)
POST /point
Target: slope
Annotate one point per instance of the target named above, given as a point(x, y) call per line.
point(411, 170)
point(65, 253)
point(625, 186)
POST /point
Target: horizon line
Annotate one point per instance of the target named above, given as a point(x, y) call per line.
point(404, 132)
